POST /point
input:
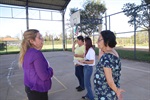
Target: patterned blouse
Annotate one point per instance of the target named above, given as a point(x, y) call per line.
point(101, 87)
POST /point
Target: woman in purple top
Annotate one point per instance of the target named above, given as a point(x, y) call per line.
point(37, 72)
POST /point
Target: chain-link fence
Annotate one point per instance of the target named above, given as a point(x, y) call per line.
point(128, 38)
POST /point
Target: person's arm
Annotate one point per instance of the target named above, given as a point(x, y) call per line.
point(90, 59)
point(41, 67)
point(50, 71)
point(87, 62)
point(110, 81)
point(81, 55)
point(77, 55)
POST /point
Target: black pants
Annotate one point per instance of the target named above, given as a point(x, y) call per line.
point(35, 95)
point(80, 76)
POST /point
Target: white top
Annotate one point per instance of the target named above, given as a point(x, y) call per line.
point(77, 62)
point(90, 56)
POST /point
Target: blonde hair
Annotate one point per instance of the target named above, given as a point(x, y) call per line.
point(25, 45)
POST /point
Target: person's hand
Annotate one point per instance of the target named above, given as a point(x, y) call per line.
point(76, 55)
point(82, 61)
point(119, 94)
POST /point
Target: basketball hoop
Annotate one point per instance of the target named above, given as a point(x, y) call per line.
point(75, 18)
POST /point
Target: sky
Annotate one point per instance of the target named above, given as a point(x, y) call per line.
point(119, 22)
point(16, 27)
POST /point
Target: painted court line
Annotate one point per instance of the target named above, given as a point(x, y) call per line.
point(60, 84)
point(20, 93)
point(145, 71)
point(137, 69)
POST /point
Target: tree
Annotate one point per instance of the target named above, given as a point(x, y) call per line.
point(46, 37)
point(141, 13)
point(89, 16)
point(70, 35)
point(50, 37)
point(147, 1)
point(61, 36)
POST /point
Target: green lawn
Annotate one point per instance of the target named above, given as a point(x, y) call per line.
point(128, 54)
point(139, 55)
point(125, 54)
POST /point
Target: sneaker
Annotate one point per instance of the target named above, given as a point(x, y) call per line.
point(85, 98)
point(80, 89)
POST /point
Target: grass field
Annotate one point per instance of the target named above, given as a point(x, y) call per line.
point(125, 54)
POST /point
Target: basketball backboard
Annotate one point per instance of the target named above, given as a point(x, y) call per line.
point(75, 18)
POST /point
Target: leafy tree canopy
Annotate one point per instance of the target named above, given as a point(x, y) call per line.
point(90, 16)
point(141, 13)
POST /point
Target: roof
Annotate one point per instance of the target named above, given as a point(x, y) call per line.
point(44, 4)
point(8, 39)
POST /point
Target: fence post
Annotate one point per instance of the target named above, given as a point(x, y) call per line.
point(6, 46)
point(66, 39)
point(134, 34)
point(105, 20)
point(109, 23)
point(52, 43)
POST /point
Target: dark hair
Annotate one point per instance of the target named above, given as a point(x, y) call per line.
point(88, 42)
point(109, 38)
point(80, 38)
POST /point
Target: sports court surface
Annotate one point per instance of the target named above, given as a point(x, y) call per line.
point(135, 78)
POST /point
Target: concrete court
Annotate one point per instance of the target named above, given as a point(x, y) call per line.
point(135, 78)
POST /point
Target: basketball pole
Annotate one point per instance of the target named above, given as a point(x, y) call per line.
point(63, 28)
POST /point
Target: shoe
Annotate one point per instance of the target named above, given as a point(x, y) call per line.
point(85, 98)
point(80, 89)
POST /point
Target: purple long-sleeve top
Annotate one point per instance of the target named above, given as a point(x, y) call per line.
point(37, 72)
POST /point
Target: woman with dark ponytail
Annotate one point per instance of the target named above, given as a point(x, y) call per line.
point(89, 62)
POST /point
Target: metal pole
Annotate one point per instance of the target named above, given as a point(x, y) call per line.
point(66, 39)
point(39, 14)
point(93, 39)
point(109, 23)
point(72, 35)
point(52, 42)
point(27, 15)
point(100, 25)
point(6, 47)
point(12, 12)
point(134, 35)
point(149, 28)
point(106, 20)
point(63, 28)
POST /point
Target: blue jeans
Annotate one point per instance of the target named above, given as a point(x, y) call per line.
point(80, 76)
point(87, 81)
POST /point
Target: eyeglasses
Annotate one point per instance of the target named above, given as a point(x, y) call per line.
point(40, 37)
point(99, 40)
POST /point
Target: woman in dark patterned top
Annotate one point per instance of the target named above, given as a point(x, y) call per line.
point(107, 75)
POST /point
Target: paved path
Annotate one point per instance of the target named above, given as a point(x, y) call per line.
point(135, 78)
